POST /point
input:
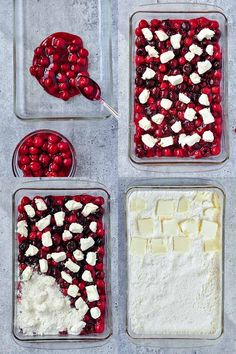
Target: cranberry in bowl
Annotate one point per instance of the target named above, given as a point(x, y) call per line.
point(178, 106)
point(44, 153)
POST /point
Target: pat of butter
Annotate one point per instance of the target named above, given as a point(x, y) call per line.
point(212, 245)
point(145, 226)
point(209, 229)
point(190, 227)
point(182, 244)
point(170, 228)
point(158, 246)
point(137, 204)
point(203, 196)
point(212, 213)
point(165, 207)
point(216, 200)
point(183, 205)
point(138, 246)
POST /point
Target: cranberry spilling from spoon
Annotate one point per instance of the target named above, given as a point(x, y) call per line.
point(56, 63)
point(44, 153)
point(92, 91)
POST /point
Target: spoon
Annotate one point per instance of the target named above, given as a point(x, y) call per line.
point(92, 91)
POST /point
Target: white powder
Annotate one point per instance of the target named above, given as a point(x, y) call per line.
point(175, 294)
point(43, 310)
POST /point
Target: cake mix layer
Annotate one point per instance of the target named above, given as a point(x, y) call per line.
point(174, 263)
point(177, 103)
point(61, 265)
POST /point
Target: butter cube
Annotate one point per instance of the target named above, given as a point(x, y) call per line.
point(158, 246)
point(137, 204)
point(190, 227)
point(212, 213)
point(165, 207)
point(183, 205)
point(203, 196)
point(182, 244)
point(170, 227)
point(145, 226)
point(216, 200)
point(209, 229)
point(212, 245)
point(138, 246)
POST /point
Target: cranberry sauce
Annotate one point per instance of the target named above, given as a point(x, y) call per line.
point(177, 104)
point(56, 63)
point(89, 88)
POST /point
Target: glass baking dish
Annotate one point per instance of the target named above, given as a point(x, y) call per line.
point(171, 186)
point(180, 11)
point(34, 21)
point(63, 187)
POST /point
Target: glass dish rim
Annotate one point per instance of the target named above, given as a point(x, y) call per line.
point(14, 162)
point(59, 117)
point(83, 340)
point(188, 184)
point(218, 160)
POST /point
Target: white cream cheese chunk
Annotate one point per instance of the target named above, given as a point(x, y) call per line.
point(167, 56)
point(204, 100)
point(58, 256)
point(184, 98)
point(43, 223)
point(192, 139)
point(47, 239)
point(208, 136)
point(43, 264)
point(95, 312)
point(144, 123)
point(22, 228)
point(27, 273)
point(195, 78)
point(92, 293)
point(73, 205)
point(189, 56)
point(175, 79)
point(76, 228)
point(40, 204)
point(72, 266)
point(147, 34)
point(206, 116)
point(205, 33)
point(81, 306)
point(176, 127)
point(89, 208)
point(175, 40)
point(144, 96)
point(93, 226)
point(31, 251)
point(152, 52)
point(195, 49)
point(29, 210)
point(161, 35)
point(91, 258)
point(66, 235)
point(148, 74)
point(67, 277)
point(87, 276)
point(203, 66)
point(210, 49)
point(79, 256)
point(167, 141)
point(158, 118)
point(59, 218)
point(86, 243)
point(149, 140)
point(190, 114)
point(73, 291)
point(166, 103)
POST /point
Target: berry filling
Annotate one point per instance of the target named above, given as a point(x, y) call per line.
point(45, 154)
point(56, 63)
point(177, 105)
point(64, 237)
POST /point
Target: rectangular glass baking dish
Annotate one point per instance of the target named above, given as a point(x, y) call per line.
point(180, 11)
point(63, 187)
point(172, 185)
point(34, 21)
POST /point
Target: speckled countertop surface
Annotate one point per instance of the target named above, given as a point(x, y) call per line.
point(100, 158)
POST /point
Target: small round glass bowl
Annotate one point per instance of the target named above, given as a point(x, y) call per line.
point(44, 153)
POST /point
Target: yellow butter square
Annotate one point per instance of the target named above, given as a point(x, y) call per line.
point(145, 226)
point(183, 205)
point(137, 204)
point(170, 227)
point(209, 229)
point(165, 207)
point(158, 246)
point(138, 246)
point(182, 244)
point(212, 245)
point(190, 227)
